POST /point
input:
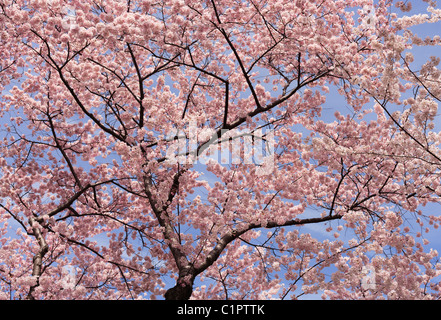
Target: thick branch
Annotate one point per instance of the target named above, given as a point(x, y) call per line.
point(38, 257)
point(163, 218)
point(234, 234)
point(63, 153)
point(69, 202)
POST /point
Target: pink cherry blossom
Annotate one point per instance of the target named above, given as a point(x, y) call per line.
point(145, 146)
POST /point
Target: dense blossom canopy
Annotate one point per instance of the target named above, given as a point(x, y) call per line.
point(113, 113)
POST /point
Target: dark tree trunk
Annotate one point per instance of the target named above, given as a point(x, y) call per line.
point(180, 291)
point(184, 285)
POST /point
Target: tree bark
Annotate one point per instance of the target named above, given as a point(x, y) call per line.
point(38, 257)
point(184, 285)
point(181, 291)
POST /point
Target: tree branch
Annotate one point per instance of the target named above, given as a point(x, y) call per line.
point(236, 54)
point(141, 87)
point(235, 234)
point(37, 260)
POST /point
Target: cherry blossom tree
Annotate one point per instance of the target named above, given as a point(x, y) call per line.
point(96, 94)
